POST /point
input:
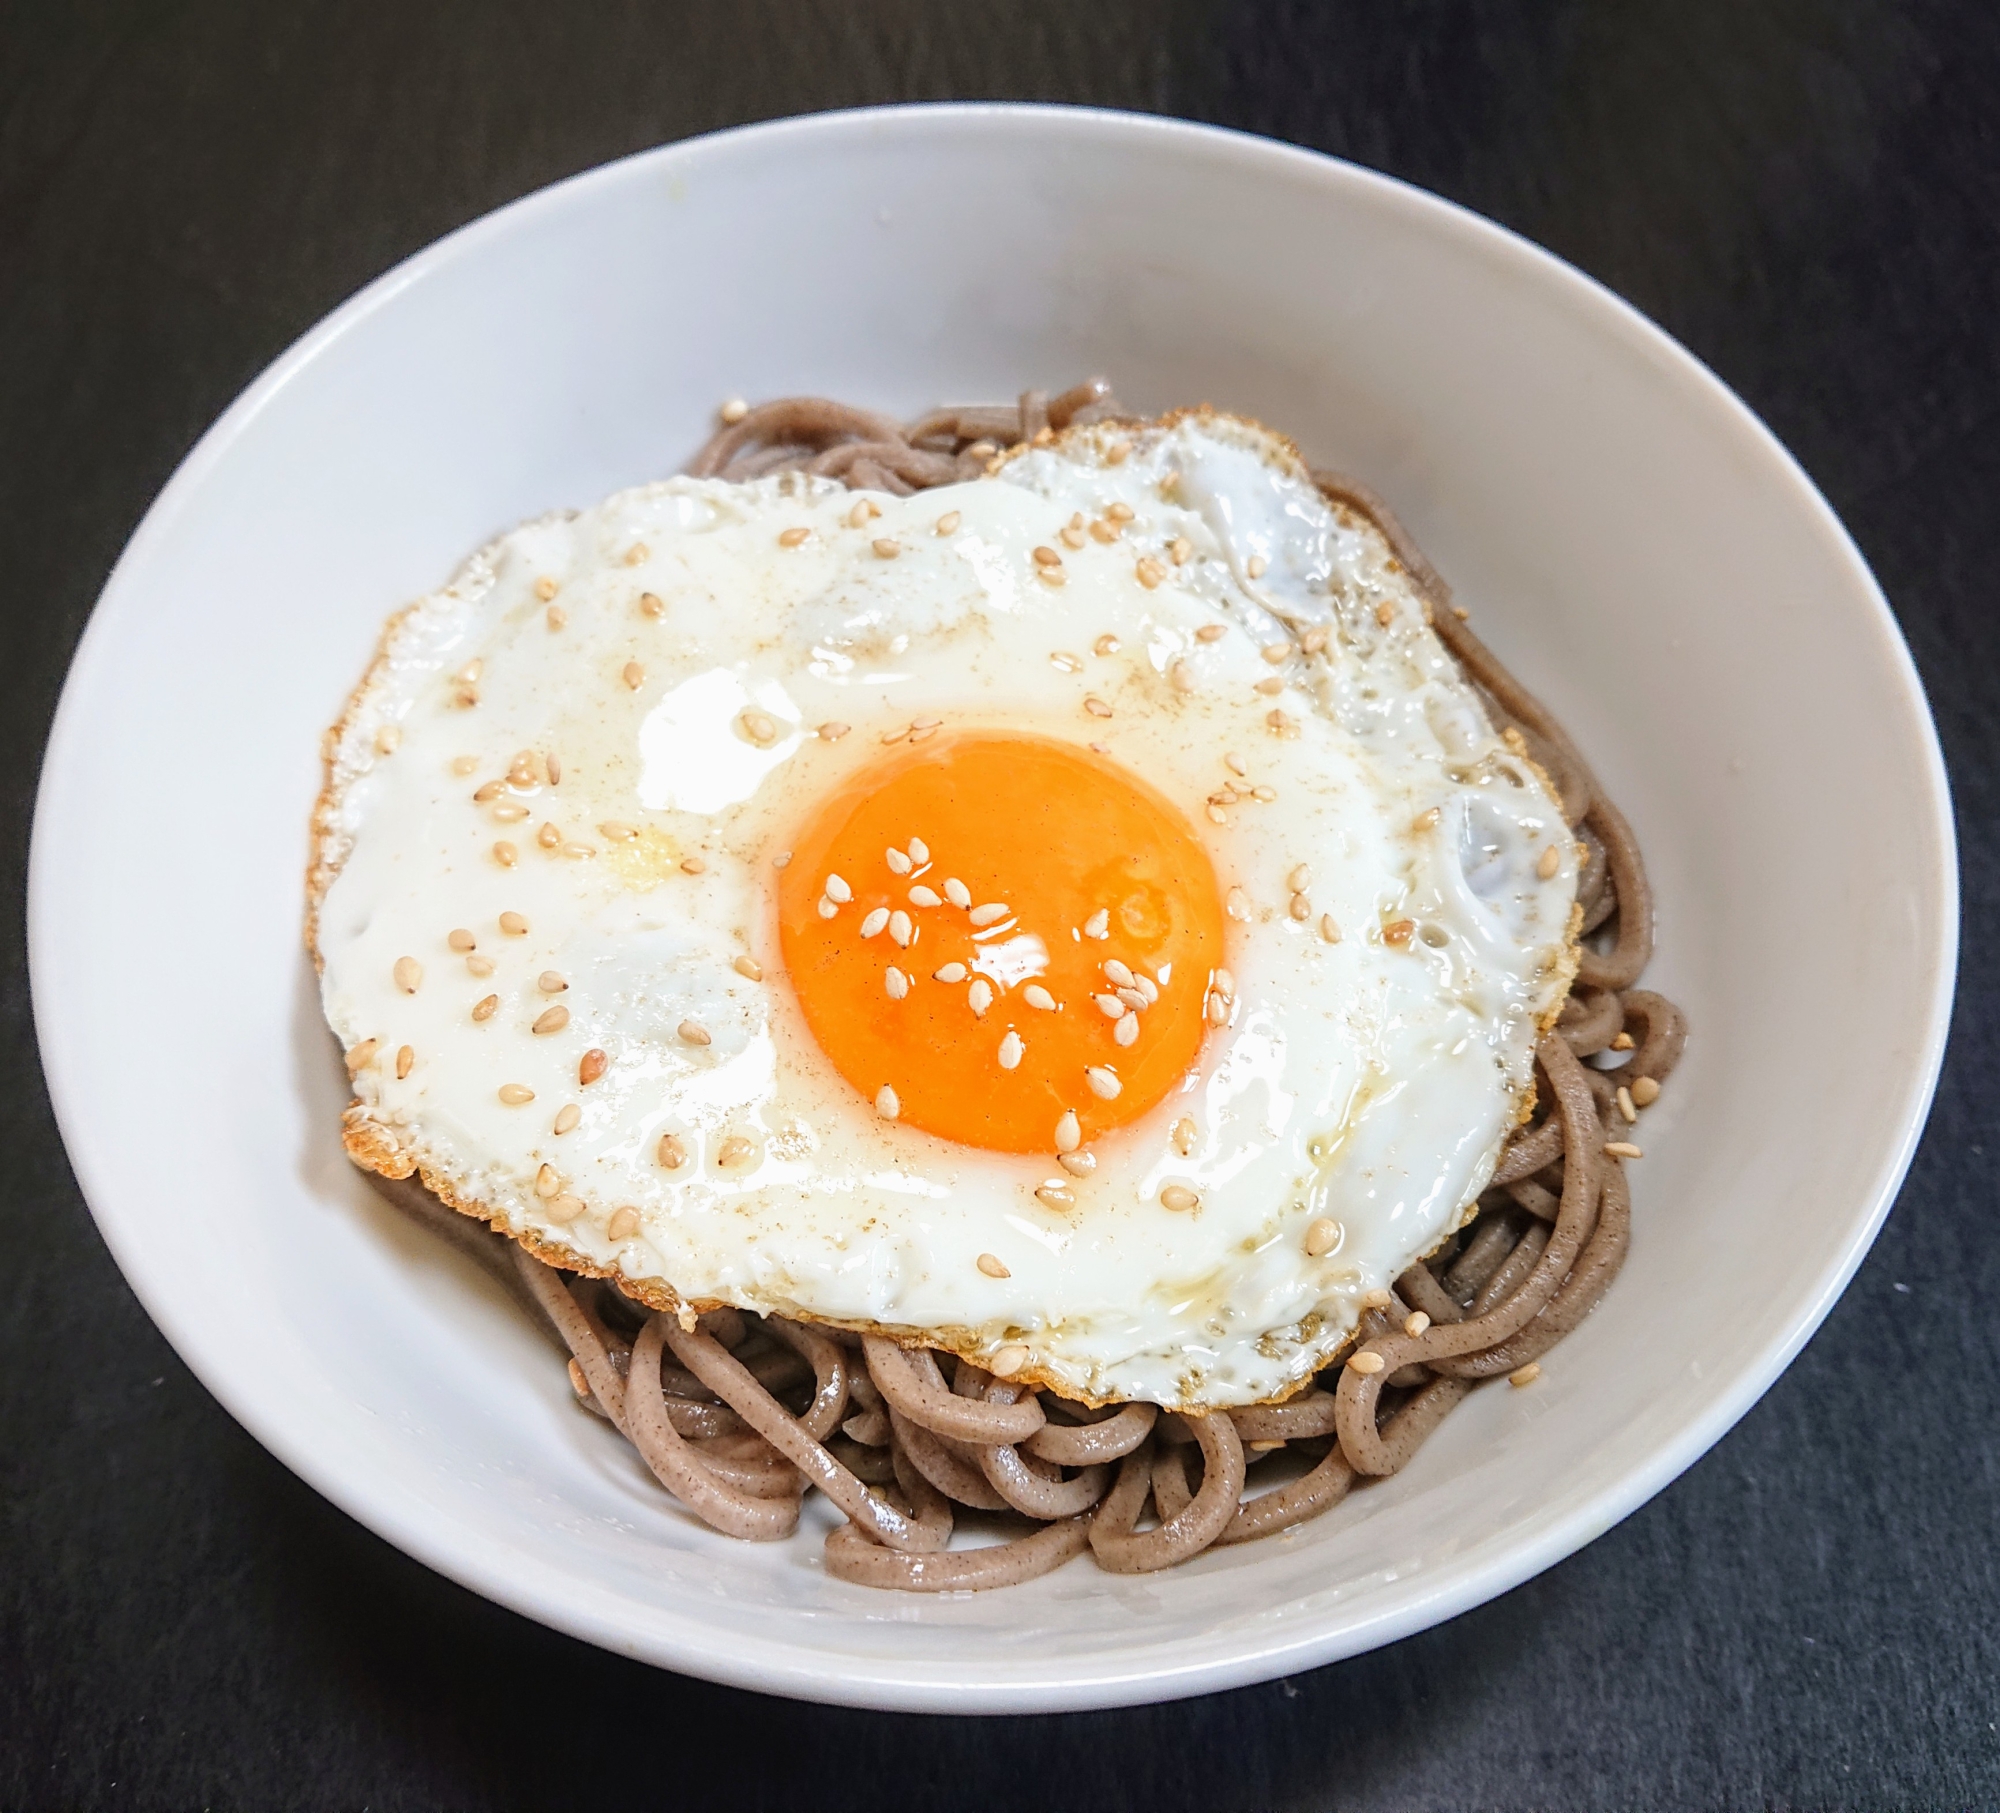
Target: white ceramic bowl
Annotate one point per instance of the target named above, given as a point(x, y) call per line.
point(1625, 531)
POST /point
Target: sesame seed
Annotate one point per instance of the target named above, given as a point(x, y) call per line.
point(550, 982)
point(1072, 536)
point(900, 928)
point(671, 1153)
point(734, 1151)
point(623, 1224)
point(1385, 613)
point(1052, 576)
point(1265, 794)
point(1551, 860)
point(1225, 983)
point(1148, 987)
point(480, 967)
point(557, 616)
point(920, 852)
point(618, 830)
point(1237, 905)
point(591, 1066)
point(1179, 1198)
point(749, 967)
point(1065, 662)
point(896, 982)
point(1236, 764)
point(1281, 725)
point(516, 1095)
point(1180, 677)
point(826, 908)
point(1211, 632)
point(652, 604)
point(1313, 641)
point(1120, 512)
point(1525, 1375)
point(1427, 821)
point(951, 972)
point(1416, 1322)
point(505, 854)
point(1012, 1051)
point(1399, 931)
point(486, 1008)
point(989, 1263)
point(509, 812)
point(1300, 907)
point(1055, 1195)
point(464, 764)
point(693, 1032)
point(565, 1208)
point(388, 739)
point(583, 852)
point(1077, 1164)
point(1183, 1137)
point(468, 675)
point(1366, 1363)
point(635, 675)
point(957, 893)
point(1256, 566)
point(362, 1055)
point(837, 889)
point(857, 518)
point(979, 997)
point(1271, 687)
point(1181, 551)
point(734, 410)
point(925, 897)
point(885, 549)
point(1008, 1361)
point(887, 1105)
point(1645, 1090)
point(1103, 1082)
point(409, 975)
point(759, 727)
point(1322, 1237)
point(1120, 975)
point(898, 862)
point(1098, 925)
point(1218, 1008)
point(790, 538)
point(874, 921)
point(1069, 1132)
point(1376, 1299)
point(989, 914)
point(552, 1019)
point(947, 524)
point(1110, 1006)
point(1627, 1108)
point(545, 588)
point(783, 860)
point(1104, 532)
point(549, 836)
point(1275, 652)
point(1328, 929)
point(567, 1117)
point(1096, 707)
point(1100, 749)
point(833, 731)
point(1622, 1148)
point(461, 940)
point(1149, 572)
point(548, 1182)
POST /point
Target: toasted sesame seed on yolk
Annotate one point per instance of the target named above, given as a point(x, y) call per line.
point(1069, 843)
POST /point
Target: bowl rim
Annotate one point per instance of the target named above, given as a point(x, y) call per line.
point(777, 1668)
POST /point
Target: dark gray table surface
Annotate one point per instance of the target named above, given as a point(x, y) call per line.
point(1808, 195)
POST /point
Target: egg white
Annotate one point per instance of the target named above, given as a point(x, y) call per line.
point(1363, 1081)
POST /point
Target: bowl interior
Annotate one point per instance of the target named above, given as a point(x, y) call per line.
point(1620, 527)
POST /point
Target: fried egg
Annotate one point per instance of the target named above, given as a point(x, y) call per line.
point(1080, 918)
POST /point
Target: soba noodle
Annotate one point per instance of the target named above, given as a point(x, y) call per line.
point(737, 1415)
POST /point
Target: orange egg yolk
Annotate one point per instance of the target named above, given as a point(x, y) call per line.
point(969, 923)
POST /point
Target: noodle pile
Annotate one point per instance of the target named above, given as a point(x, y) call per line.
point(737, 1415)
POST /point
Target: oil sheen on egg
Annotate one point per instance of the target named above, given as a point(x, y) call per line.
point(1083, 910)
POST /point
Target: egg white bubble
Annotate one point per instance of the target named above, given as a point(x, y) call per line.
point(1364, 1081)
